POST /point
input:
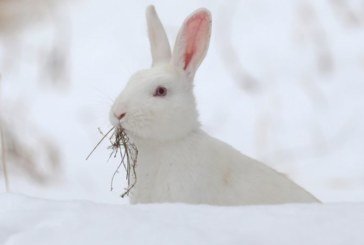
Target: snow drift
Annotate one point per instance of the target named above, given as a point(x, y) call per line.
point(25, 220)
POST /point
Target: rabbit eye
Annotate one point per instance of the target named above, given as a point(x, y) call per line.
point(160, 91)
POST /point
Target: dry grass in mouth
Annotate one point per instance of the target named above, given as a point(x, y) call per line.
point(120, 145)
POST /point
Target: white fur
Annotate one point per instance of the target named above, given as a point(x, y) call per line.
point(161, 52)
point(178, 162)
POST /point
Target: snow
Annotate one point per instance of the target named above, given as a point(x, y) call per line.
point(26, 220)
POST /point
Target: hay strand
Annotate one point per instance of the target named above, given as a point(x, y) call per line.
point(102, 139)
point(121, 145)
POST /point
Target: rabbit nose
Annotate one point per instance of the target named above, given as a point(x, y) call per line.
point(119, 117)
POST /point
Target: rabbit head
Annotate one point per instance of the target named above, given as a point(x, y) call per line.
point(158, 103)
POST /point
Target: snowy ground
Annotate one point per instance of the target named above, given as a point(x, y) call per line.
point(25, 220)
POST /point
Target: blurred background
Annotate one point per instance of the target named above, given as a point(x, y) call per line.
point(283, 82)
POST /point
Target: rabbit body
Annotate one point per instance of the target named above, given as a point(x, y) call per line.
point(178, 162)
point(201, 169)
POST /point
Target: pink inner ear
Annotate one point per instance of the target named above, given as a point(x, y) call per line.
point(195, 29)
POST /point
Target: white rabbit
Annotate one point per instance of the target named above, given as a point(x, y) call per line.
point(178, 162)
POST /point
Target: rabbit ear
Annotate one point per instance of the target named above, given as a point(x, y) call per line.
point(161, 51)
point(192, 42)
